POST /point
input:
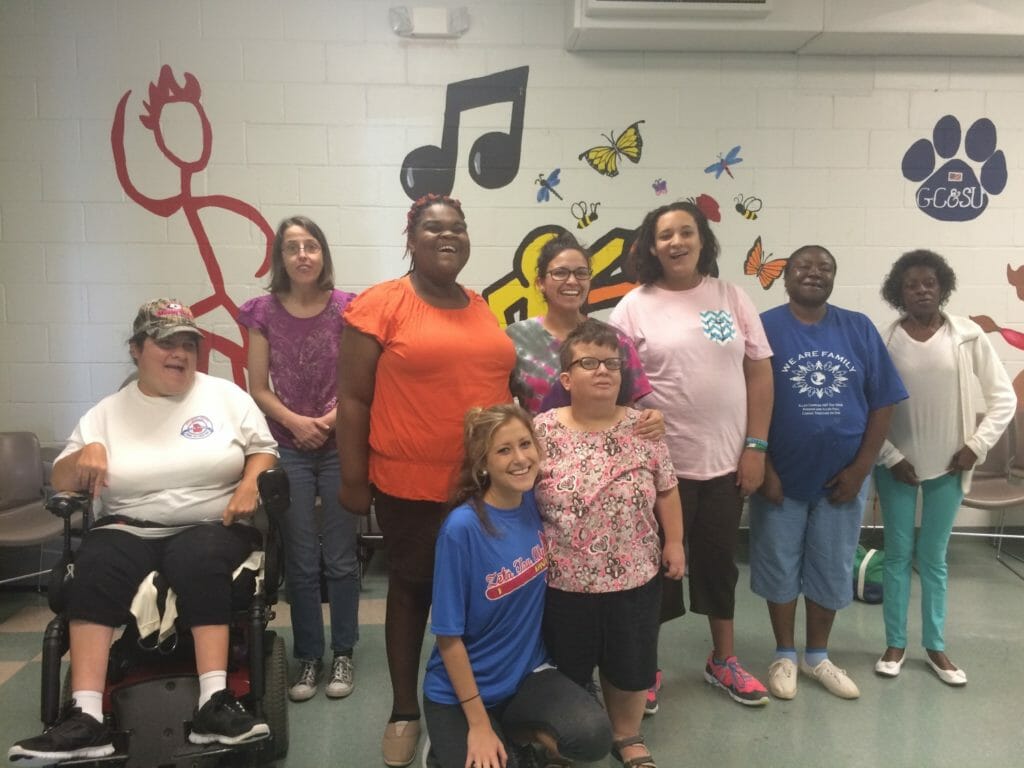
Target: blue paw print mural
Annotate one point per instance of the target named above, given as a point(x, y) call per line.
point(956, 191)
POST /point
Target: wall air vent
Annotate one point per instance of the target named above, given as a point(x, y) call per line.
point(692, 25)
point(676, 8)
point(825, 27)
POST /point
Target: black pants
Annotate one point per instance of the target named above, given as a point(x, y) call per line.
point(197, 563)
point(546, 701)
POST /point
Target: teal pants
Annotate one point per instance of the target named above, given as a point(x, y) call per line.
point(941, 500)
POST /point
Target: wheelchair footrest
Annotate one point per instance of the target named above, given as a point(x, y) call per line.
point(153, 714)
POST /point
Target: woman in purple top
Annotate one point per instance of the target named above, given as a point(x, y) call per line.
point(293, 340)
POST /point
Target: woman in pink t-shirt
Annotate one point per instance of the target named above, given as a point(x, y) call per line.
point(703, 348)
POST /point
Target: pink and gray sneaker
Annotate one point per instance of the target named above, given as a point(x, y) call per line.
point(651, 705)
point(731, 677)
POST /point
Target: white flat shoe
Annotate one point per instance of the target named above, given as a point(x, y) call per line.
point(955, 677)
point(890, 668)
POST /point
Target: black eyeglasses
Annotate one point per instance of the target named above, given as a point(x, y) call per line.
point(561, 274)
point(593, 363)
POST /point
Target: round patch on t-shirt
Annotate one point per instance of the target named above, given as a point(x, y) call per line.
point(197, 428)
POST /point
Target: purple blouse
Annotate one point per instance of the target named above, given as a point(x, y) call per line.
point(303, 355)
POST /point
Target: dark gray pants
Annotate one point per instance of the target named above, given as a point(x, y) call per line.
point(546, 701)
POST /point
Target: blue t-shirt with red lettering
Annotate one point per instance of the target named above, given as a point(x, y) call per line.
point(489, 590)
point(829, 376)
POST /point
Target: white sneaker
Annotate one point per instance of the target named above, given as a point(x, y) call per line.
point(835, 680)
point(782, 678)
point(343, 679)
point(305, 685)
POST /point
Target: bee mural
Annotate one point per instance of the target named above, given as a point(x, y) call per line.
point(747, 207)
point(583, 216)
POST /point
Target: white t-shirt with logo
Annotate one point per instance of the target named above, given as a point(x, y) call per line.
point(174, 461)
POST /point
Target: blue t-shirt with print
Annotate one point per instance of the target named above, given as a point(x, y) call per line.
point(489, 590)
point(829, 376)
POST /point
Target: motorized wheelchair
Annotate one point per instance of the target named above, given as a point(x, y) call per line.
point(151, 691)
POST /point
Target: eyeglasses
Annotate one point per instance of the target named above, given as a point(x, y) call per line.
point(561, 274)
point(593, 363)
point(293, 247)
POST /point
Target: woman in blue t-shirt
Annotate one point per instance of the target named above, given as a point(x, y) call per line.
point(489, 692)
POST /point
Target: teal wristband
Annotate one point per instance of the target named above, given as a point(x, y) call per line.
point(756, 444)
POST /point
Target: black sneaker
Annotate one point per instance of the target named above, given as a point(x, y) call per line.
point(75, 735)
point(223, 720)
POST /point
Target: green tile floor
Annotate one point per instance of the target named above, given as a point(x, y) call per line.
point(913, 721)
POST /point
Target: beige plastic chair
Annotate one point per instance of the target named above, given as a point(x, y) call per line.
point(998, 485)
point(24, 522)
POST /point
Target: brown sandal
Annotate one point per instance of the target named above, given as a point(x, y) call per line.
point(644, 761)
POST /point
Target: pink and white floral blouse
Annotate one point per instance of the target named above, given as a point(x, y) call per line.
point(596, 495)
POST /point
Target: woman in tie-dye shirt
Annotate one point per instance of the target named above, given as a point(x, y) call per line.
point(563, 278)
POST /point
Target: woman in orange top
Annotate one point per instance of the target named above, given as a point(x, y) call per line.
point(416, 354)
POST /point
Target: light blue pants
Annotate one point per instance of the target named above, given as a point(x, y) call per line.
point(941, 500)
point(312, 474)
point(805, 547)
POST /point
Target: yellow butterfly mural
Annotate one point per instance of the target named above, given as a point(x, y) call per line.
point(604, 158)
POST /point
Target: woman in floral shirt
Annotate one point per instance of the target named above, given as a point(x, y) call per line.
point(603, 493)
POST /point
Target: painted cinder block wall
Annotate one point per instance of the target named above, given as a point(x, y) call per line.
point(314, 104)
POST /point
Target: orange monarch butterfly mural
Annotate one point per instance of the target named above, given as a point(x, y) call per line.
point(604, 158)
point(765, 269)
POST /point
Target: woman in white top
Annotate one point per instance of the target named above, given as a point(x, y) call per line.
point(172, 460)
point(934, 443)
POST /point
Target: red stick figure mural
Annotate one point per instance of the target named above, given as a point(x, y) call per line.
point(167, 91)
point(1014, 277)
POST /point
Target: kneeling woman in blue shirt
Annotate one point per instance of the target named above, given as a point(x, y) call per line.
point(489, 692)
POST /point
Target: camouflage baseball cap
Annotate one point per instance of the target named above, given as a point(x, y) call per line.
point(161, 318)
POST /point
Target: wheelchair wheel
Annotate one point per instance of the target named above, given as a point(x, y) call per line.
point(275, 697)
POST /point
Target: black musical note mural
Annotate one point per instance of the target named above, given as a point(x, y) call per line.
point(494, 156)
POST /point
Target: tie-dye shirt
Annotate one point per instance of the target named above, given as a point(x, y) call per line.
point(535, 378)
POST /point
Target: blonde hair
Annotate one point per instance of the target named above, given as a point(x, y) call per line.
point(479, 427)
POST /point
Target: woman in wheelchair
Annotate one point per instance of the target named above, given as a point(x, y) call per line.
point(172, 461)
